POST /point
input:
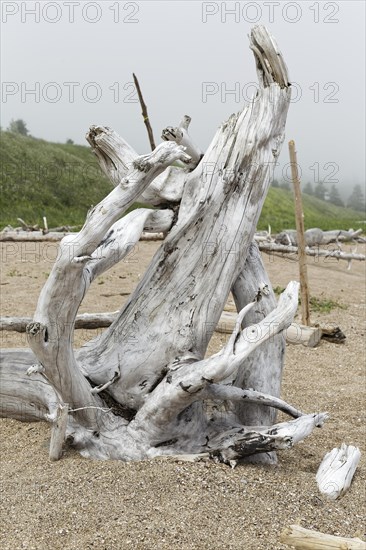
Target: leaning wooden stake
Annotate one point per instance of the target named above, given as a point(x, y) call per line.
point(304, 287)
point(144, 113)
point(305, 539)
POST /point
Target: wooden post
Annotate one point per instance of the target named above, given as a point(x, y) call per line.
point(45, 225)
point(304, 287)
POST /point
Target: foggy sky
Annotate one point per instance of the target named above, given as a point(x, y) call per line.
point(188, 56)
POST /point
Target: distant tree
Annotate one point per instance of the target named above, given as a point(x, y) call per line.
point(308, 189)
point(275, 183)
point(334, 196)
point(18, 127)
point(70, 142)
point(285, 185)
point(357, 199)
point(319, 191)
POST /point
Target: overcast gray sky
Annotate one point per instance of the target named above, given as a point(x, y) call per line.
point(78, 58)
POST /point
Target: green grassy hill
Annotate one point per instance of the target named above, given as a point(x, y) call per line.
point(62, 181)
point(41, 178)
point(278, 212)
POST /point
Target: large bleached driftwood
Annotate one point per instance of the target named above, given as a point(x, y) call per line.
point(144, 387)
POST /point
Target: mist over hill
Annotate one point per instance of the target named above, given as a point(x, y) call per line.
point(62, 181)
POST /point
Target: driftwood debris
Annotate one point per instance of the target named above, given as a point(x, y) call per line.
point(333, 334)
point(151, 364)
point(27, 227)
point(306, 539)
point(315, 252)
point(316, 236)
point(336, 470)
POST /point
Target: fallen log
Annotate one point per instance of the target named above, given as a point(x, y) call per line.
point(336, 471)
point(33, 236)
point(295, 334)
point(84, 320)
point(56, 236)
point(306, 539)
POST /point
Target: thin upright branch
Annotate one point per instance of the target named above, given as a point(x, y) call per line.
point(144, 113)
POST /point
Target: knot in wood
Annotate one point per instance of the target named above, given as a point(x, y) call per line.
point(34, 328)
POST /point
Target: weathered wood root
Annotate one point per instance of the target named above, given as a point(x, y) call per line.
point(58, 432)
point(279, 436)
point(23, 397)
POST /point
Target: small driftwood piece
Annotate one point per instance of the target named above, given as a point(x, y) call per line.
point(302, 334)
point(306, 539)
point(58, 432)
point(336, 470)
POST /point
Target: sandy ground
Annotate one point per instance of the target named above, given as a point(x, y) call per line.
point(82, 504)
